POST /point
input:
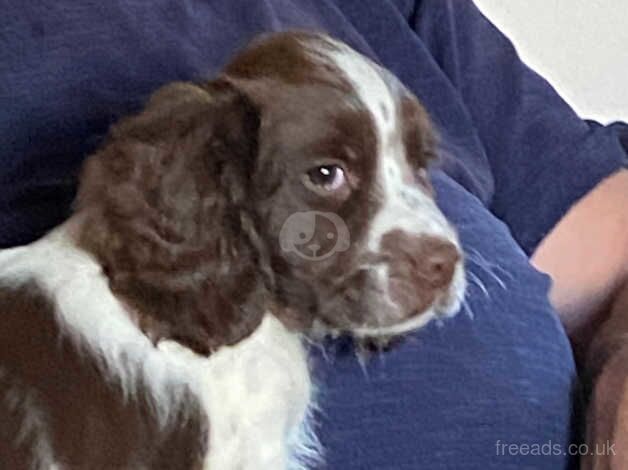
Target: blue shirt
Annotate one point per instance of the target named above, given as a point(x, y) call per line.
point(514, 158)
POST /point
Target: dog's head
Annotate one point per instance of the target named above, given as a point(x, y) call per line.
point(295, 183)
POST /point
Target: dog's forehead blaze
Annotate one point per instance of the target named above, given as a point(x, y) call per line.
point(382, 96)
point(371, 85)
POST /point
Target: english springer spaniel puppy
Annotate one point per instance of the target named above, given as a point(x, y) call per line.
point(161, 326)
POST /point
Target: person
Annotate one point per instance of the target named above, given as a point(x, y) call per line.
point(522, 177)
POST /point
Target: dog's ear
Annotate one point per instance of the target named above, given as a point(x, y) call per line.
point(419, 136)
point(165, 209)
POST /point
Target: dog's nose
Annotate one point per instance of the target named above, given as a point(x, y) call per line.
point(429, 260)
point(435, 260)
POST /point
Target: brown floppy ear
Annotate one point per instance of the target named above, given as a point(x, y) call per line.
point(164, 208)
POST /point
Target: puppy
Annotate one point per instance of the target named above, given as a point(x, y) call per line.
point(161, 325)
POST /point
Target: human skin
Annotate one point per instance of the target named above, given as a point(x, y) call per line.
point(586, 255)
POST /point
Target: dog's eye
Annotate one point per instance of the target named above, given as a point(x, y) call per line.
point(327, 177)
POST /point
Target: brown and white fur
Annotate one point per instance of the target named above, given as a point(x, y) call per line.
point(161, 326)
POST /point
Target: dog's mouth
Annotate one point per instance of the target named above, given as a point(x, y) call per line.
point(418, 320)
point(384, 319)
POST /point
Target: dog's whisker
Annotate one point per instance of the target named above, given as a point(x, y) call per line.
point(475, 279)
point(477, 257)
point(497, 279)
point(361, 358)
point(466, 306)
point(319, 347)
point(490, 272)
point(492, 267)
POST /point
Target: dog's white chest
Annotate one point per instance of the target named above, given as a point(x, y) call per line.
point(255, 395)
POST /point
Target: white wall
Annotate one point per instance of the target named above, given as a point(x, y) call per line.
point(580, 46)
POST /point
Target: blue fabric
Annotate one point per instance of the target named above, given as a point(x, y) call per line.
point(514, 158)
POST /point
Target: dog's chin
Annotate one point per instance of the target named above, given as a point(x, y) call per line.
point(381, 329)
point(413, 322)
point(368, 339)
point(376, 330)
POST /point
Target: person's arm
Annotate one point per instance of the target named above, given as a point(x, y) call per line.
point(586, 255)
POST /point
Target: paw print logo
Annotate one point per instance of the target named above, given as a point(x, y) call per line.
point(314, 235)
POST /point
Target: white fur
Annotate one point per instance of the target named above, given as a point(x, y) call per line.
point(255, 393)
